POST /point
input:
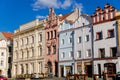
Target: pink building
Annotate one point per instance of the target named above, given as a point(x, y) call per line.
point(51, 50)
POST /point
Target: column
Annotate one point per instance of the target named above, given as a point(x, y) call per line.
point(64, 70)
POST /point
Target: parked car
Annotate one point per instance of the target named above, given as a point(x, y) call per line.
point(118, 76)
point(3, 78)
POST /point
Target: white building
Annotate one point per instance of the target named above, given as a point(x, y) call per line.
point(28, 50)
point(105, 41)
point(6, 45)
point(83, 45)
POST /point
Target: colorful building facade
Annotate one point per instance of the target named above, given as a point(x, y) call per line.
point(28, 49)
point(51, 46)
point(105, 41)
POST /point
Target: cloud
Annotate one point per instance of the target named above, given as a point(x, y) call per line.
point(67, 3)
point(59, 4)
point(80, 6)
point(40, 17)
point(40, 4)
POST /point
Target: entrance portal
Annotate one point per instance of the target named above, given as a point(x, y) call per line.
point(89, 70)
point(49, 67)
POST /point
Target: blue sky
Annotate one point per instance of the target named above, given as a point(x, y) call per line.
point(14, 13)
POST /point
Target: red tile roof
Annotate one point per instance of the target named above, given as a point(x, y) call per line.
point(64, 16)
point(8, 35)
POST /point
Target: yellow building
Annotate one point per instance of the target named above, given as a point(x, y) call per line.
point(28, 49)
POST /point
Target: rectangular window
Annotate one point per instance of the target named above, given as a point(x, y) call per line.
point(63, 55)
point(99, 36)
point(102, 53)
point(2, 63)
point(62, 41)
point(40, 51)
point(70, 40)
point(2, 54)
point(71, 54)
point(111, 33)
point(79, 54)
point(54, 49)
point(79, 40)
point(51, 34)
point(113, 51)
point(49, 50)
point(40, 37)
point(48, 35)
point(55, 33)
point(32, 39)
point(88, 52)
point(87, 38)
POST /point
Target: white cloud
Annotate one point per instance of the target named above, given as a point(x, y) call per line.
point(67, 3)
point(41, 4)
point(40, 17)
point(79, 5)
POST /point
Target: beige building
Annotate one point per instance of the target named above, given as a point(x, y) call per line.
point(6, 44)
point(28, 49)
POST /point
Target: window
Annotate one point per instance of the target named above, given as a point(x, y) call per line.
point(87, 38)
point(10, 49)
point(54, 49)
point(2, 54)
point(32, 39)
point(32, 52)
point(63, 55)
point(27, 54)
point(70, 40)
point(40, 51)
point(102, 53)
point(79, 40)
point(49, 50)
point(113, 52)
point(99, 36)
point(79, 54)
point(55, 33)
point(70, 54)
point(48, 35)
point(51, 34)
point(110, 33)
point(40, 37)
point(2, 63)
point(22, 54)
point(27, 40)
point(88, 52)
point(62, 41)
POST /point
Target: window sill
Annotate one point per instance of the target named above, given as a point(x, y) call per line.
point(98, 39)
point(110, 37)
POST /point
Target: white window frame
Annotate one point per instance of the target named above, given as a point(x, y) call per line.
point(78, 54)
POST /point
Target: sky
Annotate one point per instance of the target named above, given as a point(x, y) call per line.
point(14, 13)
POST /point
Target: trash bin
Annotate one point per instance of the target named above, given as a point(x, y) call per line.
point(118, 76)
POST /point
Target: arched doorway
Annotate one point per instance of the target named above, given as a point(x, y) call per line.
point(110, 68)
point(49, 67)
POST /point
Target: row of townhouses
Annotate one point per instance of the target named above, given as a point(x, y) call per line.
point(73, 43)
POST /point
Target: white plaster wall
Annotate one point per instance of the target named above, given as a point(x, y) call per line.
point(104, 43)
